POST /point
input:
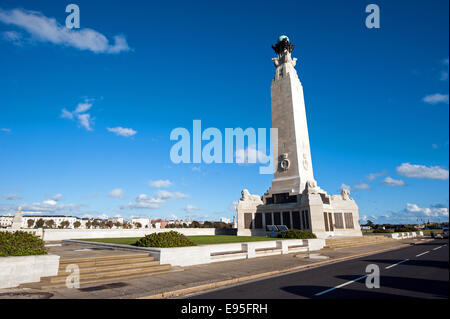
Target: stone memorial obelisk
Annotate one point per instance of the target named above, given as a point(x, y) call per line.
point(294, 199)
point(17, 220)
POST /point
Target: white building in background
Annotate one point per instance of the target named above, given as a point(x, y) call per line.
point(144, 221)
point(225, 220)
point(6, 221)
point(117, 219)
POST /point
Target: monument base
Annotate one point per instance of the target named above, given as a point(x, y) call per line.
point(313, 210)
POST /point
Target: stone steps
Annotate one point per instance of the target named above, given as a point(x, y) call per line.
point(95, 262)
point(47, 286)
point(334, 243)
point(119, 266)
point(102, 269)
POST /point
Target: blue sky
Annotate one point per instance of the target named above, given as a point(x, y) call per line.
point(376, 101)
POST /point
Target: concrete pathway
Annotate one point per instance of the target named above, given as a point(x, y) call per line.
point(206, 276)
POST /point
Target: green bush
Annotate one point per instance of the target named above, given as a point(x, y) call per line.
point(21, 243)
point(295, 233)
point(381, 231)
point(165, 240)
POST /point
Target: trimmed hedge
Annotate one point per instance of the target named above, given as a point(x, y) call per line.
point(165, 240)
point(21, 243)
point(295, 233)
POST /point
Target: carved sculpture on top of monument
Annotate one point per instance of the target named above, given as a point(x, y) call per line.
point(17, 220)
point(294, 199)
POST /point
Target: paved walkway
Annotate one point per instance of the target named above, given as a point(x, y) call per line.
point(192, 276)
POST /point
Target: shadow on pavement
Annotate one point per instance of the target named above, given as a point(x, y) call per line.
point(435, 288)
point(421, 263)
point(342, 293)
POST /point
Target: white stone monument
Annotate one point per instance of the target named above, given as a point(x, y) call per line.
point(17, 220)
point(294, 199)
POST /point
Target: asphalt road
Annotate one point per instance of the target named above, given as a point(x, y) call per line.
point(417, 271)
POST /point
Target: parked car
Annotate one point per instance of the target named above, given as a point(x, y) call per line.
point(445, 233)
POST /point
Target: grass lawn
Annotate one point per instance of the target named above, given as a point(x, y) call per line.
point(199, 240)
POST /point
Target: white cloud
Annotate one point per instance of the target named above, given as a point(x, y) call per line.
point(83, 107)
point(84, 119)
point(435, 146)
point(362, 186)
point(373, 176)
point(44, 29)
point(144, 201)
point(57, 197)
point(344, 186)
point(116, 193)
point(169, 195)
point(190, 209)
point(436, 98)
point(250, 155)
point(12, 197)
point(121, 131)
point(6, 130)
point(389, 181)
point(50, 206)
point(426, 212)
point(422, 171)
point(66, 114)
point(160, 183)
point(13, 36)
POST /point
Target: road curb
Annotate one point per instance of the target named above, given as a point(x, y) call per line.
point(218, 284)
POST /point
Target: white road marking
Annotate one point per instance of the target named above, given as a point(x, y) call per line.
point(437, 248)
point(340, 286)
point(400, 262)
point(423, 253)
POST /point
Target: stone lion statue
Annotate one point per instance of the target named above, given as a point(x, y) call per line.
point(247, 196)
point(311, 187)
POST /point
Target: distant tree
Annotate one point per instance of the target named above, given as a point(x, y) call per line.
point(65, 224)
point(95, 223)
point(40, 223)
point(195, 224)
point(88, 224)
point(369, 223)
point(207, 225)
point(109, 224)
point(50, 223)
point(138, 225)
point(154, 225)
point(77, 224)
point(30, 223)
point(118, 225)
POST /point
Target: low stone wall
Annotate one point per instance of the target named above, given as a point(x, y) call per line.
point(406, 235)
point(205, 254)
point(15, 271)
point(65, 234)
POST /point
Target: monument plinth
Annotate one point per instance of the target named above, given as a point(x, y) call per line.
point(294, 199)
